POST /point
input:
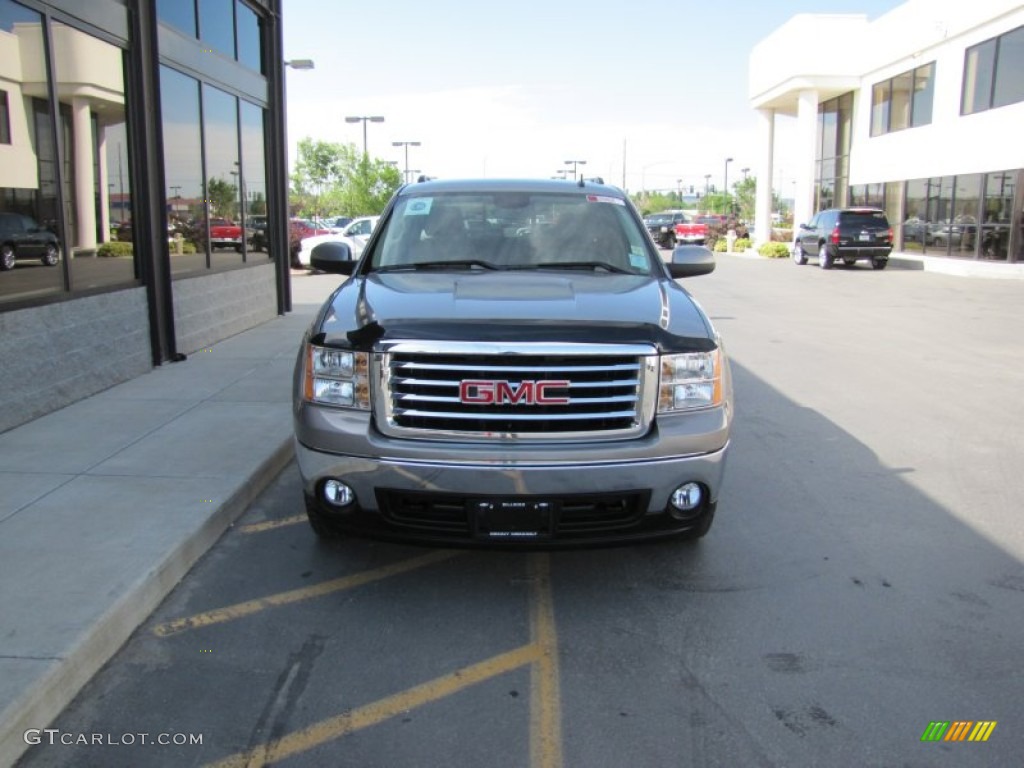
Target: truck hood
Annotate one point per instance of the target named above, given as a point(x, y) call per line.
point(514, 306)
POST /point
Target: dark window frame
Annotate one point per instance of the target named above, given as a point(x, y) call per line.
point(914, 120)
point(988, 100)
point(5, 118)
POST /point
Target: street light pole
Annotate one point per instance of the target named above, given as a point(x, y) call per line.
point(364, 121)
point(726, 188)
point(574, 163)
point(707, 178)
point(406, 144)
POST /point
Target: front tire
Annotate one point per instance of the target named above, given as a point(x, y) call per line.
point(7, 257)
point(825, 257)
point(52, 255)
point(798, 254)
point(879, 263)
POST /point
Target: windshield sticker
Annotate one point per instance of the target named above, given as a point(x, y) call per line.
point(605, 199)
point(419, 207)
point(637, 260)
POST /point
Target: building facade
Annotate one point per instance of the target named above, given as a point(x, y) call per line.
point(918, 112)
point(126, 128)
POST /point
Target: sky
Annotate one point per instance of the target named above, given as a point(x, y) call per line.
point(650, 93)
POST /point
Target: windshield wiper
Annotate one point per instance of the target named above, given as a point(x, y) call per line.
point(453, 264)
point(583, 265)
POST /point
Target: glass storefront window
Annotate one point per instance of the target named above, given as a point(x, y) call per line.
point(997, 210)
point(940, 214)
point(183, 170)
point(178, 13)
point(217, 25)
point(97, 182)
point(966, 203)
point(250, 52)
point(254, 185)
point(915, 225)
point(223, 196)
point(29, 212)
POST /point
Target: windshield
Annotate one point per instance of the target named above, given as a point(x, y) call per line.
point(512, 230)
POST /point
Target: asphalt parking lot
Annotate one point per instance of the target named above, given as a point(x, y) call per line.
point(863, 580)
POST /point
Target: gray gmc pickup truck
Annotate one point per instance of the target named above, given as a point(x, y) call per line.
point(511, 362)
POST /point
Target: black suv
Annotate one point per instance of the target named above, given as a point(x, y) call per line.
point(662, 226)
point(22, 238)
point(846, 234)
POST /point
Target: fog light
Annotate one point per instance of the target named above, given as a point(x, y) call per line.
point(687, 497)
point(337, 494)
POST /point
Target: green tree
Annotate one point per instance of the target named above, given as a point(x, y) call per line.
point(338, 178)
point(223, 197)
point(318, 167)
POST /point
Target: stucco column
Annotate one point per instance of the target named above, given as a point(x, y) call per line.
point(763, 200)
point(806, 136)
point(104, 187)
point(85, 179)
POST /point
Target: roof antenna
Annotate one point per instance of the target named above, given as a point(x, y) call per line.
point(581, 181)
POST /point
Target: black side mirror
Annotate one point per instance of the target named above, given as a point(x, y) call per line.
point(332, 257)
point(691, 261)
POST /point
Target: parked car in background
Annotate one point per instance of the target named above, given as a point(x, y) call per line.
point(224, 233)
point(256, 233)
point(354, 236)
point(21, 237)
point(846, 234)
point(662, 226)
point(298, 230)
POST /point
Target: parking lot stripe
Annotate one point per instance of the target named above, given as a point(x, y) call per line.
point(239, 610)
point(545, 691)
point(271, 524)
point(378, 711)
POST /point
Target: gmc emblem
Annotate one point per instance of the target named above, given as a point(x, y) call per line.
point(485, 392)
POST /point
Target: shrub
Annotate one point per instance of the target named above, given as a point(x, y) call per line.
point(114, 248)
point(741, 244)
point(774, 250)
point(720, 245)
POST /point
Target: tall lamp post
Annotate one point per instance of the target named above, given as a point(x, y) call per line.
point(707, 179)
point(575, 163)
point(364, 121)
point(406, 144)
point(726, 188)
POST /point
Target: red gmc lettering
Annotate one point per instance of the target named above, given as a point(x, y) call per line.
point(486, 392)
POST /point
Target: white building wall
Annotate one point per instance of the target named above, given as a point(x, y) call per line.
point(787, 63)
point(952, 144)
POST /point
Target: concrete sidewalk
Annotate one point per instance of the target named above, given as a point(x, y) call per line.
point(106, 504)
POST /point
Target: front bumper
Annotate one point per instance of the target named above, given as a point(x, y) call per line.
point(433, 492)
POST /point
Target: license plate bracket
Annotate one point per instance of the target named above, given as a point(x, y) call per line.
point(512, 519)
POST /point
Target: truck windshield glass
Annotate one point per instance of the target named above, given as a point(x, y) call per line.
point(512, 232)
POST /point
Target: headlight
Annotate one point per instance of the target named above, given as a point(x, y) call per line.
point(337, 377)
point(689, 381)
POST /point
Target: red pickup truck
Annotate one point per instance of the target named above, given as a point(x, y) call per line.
point(695, 231)
point(224, 233)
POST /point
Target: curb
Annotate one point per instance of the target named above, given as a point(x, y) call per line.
point(47, 697)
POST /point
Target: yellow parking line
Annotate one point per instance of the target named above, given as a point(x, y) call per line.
point(271, 524)
point(378, 711)
point(238, 610)
point(545, 695)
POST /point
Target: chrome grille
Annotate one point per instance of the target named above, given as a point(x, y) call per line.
point(520, 391)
